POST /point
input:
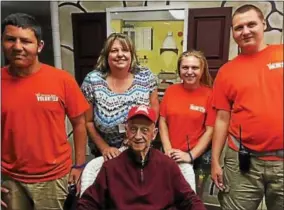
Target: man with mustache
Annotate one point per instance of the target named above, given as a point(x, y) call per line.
point(248, 96)
point(140, 178)
point(36, 156)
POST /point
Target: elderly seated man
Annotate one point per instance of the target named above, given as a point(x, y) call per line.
point(141, 177)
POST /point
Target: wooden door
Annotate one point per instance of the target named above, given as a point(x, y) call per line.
point(89, 35)
point(209, 32)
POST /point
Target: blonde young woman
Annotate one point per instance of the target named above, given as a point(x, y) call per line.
point(186, 115)
point(116, 84)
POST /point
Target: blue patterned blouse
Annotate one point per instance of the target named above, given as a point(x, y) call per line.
point(111, 109)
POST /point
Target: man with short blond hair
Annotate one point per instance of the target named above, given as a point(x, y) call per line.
point(248, 96)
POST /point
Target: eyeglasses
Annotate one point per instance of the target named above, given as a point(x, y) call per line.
point(143, 129)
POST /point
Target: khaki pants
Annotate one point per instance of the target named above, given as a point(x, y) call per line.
point(246, 191)
point(37, 196)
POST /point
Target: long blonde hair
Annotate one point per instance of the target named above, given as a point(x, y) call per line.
point(206, 78)
point(102, 63)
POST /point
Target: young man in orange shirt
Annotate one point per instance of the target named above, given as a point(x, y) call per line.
point(36, 156)
point(248, 96)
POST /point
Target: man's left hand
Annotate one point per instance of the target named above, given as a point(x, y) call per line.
point(74, 178)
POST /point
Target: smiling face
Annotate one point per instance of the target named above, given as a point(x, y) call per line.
point(248, 31)
point(191, 71)
point(20, 46)
point(140, 132)
point(119, 57)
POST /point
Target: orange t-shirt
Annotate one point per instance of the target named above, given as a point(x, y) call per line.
point(187, 114)
point(34, 141)
point(251, 88)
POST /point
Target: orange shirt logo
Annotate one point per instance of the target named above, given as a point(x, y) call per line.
point(46, 97)
point(277, 65)
point(197, 108)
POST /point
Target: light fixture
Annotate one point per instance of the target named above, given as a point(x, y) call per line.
point(169, 42)
point(177, 14)
point(169, 53)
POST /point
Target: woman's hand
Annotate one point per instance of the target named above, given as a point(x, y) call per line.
point(180, 156)
point(168, 152)
point(110, 152)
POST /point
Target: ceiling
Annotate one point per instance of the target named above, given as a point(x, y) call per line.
point(35, 8)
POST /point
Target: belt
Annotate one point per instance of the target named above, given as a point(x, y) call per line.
point(277, 153)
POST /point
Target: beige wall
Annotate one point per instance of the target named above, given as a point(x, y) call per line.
point(66, 8)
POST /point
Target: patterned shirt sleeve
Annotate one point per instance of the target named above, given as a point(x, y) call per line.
point(88, 89)
point(153, 84)
point(73, 92)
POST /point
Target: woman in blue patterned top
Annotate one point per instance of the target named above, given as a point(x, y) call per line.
point(116, 84)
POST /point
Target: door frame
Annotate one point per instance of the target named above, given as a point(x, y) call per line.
point(152, 8)
point(54, 13)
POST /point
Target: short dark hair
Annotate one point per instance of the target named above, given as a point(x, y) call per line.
point(24, 21)
point(248, 7)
